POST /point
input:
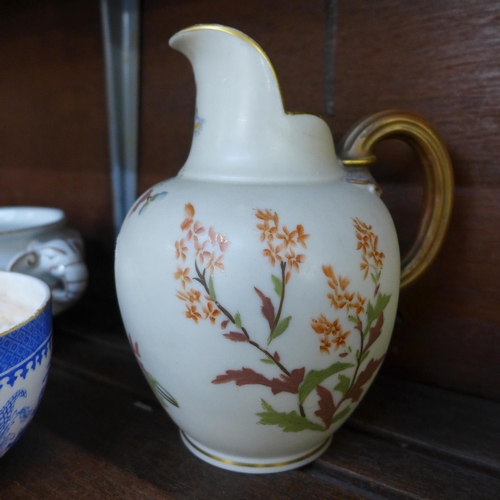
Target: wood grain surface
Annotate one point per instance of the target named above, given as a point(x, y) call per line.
point(439, 59)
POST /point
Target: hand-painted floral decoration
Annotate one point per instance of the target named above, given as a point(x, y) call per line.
point(346, 332)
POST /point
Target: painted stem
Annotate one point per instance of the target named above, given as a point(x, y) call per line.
point(359, 327)
point(362, 334)
point(201, 279)
point(282, 299)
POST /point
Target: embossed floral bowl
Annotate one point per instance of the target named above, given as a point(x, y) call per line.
point(25, 349)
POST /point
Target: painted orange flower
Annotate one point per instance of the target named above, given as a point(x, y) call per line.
point(325, 345)
point(324, 327)
point(211, 312)
point(340, 339)
point(361, 226)
point(183, 276)
point(328, 271)
point(268, 215)
point(267, 231)
point(186, 223)
point(199, 248)
point(212, 236)
point(195, 230)
point(344, 283)
point(368, 244)
point(189, 296)
point(218, 239)
point(215, 261)
point(363, 242)
point(272, 253)
point(331, 331)
point(301, 236)
point(342, 298)
point(365, 266)
point(223, 242)
point(293, 261)
point(359, 305)
point(192, 313)
point(287, 237)
point(337, 301)
point(180, 249)
point(320, 325)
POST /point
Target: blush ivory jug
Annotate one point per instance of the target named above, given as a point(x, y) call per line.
point(259, 287)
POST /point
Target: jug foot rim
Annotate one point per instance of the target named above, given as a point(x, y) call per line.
point(255, 466)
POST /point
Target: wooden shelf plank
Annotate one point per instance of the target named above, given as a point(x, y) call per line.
point(456, 427)
point(89, 440)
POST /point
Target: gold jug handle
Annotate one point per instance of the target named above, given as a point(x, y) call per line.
point(356, 152)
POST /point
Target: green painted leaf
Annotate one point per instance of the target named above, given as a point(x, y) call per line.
point(370, 313)
point(341, 415)
point(374, 279)
point(237, 320)
point(382, 301)
point(211, 289)
point(289, 422)
point(267, 361)
point(278, 286)
point(364, 356)
point(343, 385)
point(315, 377)
point(375, 311)
point(353, 319)
point(280, 328)
point(160, 391)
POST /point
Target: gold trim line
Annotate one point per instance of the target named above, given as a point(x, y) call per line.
point(245, 38)
point(37, 313)
point(256, 466)
point(360, 161)
point(237, 34)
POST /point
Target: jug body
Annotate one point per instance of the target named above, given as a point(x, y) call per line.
point(260, 314)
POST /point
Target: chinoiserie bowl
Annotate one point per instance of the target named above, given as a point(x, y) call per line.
point(25, 350)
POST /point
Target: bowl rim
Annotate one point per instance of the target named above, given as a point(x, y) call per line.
point(46, 302)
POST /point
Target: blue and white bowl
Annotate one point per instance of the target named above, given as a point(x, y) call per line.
point(25, 350)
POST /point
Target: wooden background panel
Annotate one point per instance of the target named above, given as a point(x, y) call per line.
point(436, 59)
point(439, 59)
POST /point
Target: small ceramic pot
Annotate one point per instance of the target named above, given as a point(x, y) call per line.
point(36, 241)
point(25, 350)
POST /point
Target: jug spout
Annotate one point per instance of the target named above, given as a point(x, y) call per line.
point(242, 132)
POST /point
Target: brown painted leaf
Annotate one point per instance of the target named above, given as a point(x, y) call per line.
point(375, 332)
point(359, 325)
point(224, 324)
point(276, 356)
point(288, 383)
point(343, 354)
point(236, 336)
point(246, 376)
point(364, 377)
point(326, 406)
point(267, 308)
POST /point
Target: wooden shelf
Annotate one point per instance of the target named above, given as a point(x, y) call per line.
point(99, 433)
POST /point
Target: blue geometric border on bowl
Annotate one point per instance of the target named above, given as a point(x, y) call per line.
point(23, 348)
